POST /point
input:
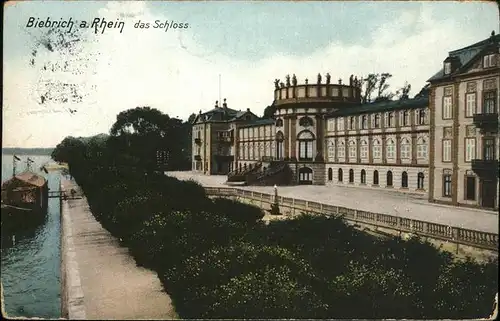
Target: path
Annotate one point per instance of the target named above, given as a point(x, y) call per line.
point(384, 202)
point(113, 286)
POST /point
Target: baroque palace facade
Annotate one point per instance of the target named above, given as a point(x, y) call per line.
point(326, 136)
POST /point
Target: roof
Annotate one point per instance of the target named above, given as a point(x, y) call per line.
point(258, 122)
point(417, 102)
point(465, 56)
point(30, 178)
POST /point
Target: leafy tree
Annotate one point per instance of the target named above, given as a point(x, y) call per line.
point(269, 111)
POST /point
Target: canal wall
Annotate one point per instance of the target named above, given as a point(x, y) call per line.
point(72, 299)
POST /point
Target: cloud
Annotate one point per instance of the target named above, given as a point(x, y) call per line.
point(172, 72)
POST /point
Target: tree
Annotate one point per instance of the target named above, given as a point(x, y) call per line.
point(370, 84)
point(269, 111)
point(191, 118)
point(403, 92)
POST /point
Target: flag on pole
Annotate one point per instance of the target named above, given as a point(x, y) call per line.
point(30, 160)
point(16, 158)
point(45, 170)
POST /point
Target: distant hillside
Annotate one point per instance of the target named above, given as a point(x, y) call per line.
point(27, 151)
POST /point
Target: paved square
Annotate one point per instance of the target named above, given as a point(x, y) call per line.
point(384, 202)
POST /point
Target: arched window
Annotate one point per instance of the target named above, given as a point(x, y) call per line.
point(420, 180)
point(351, 176)
point(375, 177)
point(279, 122)
point(280, 152)
point(340, 175)
point(406, 118)
point(305, 176)
point(305, 139)
point(305, 121)
point(331, 150)
point(341, 149)
point(363, 176)
point(389, 178)
point(330, 174)
point(421, 148)
point(376, 149)
point(390, 149)
point(405, 148)
point(404, 180)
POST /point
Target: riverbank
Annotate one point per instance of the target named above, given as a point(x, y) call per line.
point(100, 279)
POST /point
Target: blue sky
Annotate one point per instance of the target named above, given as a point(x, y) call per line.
point(248, 43)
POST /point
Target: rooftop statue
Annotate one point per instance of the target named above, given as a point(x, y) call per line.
point(351, 79)
point(288, 80)
point(340, 81)
point(319, 79)
point(307, 81)
point(276, 83)
point(294, 80)
point(328, 78)
point(282, 84)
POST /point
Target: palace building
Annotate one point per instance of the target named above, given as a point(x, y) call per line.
point(464, 126)
point(324, 135)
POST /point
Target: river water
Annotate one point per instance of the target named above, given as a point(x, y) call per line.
point(30, 263)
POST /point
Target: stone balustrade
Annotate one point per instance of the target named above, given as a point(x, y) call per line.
point(478, 239)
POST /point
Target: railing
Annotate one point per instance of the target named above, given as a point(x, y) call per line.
point(478, 239)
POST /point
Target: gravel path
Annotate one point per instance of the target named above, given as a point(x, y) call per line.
point(113, 286)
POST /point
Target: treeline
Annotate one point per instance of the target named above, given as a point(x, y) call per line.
point(26, 151)
point(217, 259)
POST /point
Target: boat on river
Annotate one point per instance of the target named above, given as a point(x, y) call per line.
point(24, 199)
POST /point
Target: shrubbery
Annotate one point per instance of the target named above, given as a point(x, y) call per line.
point(216, 258)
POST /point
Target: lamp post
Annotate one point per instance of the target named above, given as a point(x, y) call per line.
point(275, 210)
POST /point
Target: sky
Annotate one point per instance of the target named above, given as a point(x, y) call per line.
point(90, 76)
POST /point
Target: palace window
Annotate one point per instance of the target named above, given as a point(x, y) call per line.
point(421, 148)
point(351, 123)
point(340, 124)
point(470, 186)
point(389, 178)
point(447, 68)
point(376, 149)
point(420, 113)
point(352, 150)
point(305, 121)
point(341, 149)
point(470, 149)
point(331, 125)
point(447, 150)
point(447, 183)
point(375, 177)
point(389, 120)
point(470, 104)
point(489, 105)
point(331, 150)
point(489, 61)
point(363, 176)
point(340, 176)
point(404, 180)
point(405, 118)
point(351, 176)
point(390, 149)
point(364, 149)
point(364, 122)
point(489, 149)
point(376, 121)
point(279, 122)
point(405, 149)
point(420, 180)
point(447, 107)
point(280, 152)
point(330, 174)
point(306, 140)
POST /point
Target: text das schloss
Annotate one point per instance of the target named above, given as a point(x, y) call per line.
point(159, 24)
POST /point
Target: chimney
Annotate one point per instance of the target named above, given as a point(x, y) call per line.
point(493, 33)
point(224, 104)
point(248, 109)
